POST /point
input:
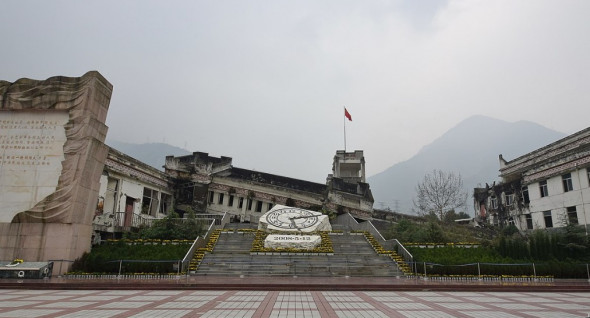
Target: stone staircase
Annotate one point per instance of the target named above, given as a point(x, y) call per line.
point(353, 256)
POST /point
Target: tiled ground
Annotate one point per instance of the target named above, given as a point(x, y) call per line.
point(354, 304)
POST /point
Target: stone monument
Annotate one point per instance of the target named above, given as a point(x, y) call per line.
point(52, 154)
point(289, 223)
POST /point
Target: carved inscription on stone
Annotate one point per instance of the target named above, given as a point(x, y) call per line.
point(303, 242)
point(31, 152)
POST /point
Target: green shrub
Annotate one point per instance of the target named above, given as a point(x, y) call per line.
point(172, 228)
point(104, 258)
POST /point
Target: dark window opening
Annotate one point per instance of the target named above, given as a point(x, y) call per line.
point(240, 203)
point(220, 198)
point(249, 205)
point(230, 202)
point(548, 219)
point(567, 182)
point(572, 215)
point(269, 207)
point(259, 206)
point(166, 203)
point(525, 195)
point(211, 194)
point(494, 202)
point(529, 221)
point(543, 188)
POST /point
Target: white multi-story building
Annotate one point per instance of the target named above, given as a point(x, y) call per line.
point(131, 194)
point(546, 188)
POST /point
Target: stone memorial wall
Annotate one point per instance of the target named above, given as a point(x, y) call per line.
point(52, 154)
point(31, 152)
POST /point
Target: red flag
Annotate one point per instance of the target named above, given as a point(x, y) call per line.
point(347, 114)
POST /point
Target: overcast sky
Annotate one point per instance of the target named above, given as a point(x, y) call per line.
point(265, 82)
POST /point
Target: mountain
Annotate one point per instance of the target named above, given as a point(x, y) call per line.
point(153, 154)
point(471, 148)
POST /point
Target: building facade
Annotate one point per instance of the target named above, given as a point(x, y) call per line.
point(131, 194)
point(212, 185)
point(546, 188)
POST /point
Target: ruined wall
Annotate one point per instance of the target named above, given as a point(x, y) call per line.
point(52, 155)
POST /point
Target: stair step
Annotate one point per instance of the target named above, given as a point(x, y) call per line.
point(353, 256)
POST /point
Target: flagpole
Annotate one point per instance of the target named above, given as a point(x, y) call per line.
point(344, 129)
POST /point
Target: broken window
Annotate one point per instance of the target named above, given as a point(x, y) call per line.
point(543, 188)
point(150, 202)
point(509, 199)
point(572, 215)
point(548, 219)
point(529, 221)
point(525, 195)
point(567, 182)
point(111, 196)
point(494, 202)
point(230, 202)
point(165, 203)
point(220, 198)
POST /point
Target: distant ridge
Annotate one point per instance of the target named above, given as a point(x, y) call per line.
point(470, 148)
point(153, 154)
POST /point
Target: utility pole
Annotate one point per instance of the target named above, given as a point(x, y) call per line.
point(396, 205)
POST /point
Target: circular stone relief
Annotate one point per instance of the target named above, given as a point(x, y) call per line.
point(291, 218)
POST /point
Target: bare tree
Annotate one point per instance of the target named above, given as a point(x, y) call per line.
point(440, 192)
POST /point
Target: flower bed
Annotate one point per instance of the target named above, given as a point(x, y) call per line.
point(258, 248)
point(433, 245)
point(148, 242)
point(489, 278)
point(200, 252)
point(401, 263)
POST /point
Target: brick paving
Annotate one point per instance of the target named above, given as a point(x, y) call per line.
point(23, 303)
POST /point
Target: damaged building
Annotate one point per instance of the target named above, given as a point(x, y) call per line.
point(131, 194)
point(212, 185)
point(546, 188)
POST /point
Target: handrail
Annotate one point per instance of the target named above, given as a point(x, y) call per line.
point(404, 252)
point(354, 225)
point(375, 231)
point(137, 220)
point(61, 261)
point(215, 223)
point(224, 220)
point(191, 251)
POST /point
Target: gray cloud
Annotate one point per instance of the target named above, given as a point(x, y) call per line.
point(265, 81)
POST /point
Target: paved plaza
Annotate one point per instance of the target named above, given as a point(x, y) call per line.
point(23, 303)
